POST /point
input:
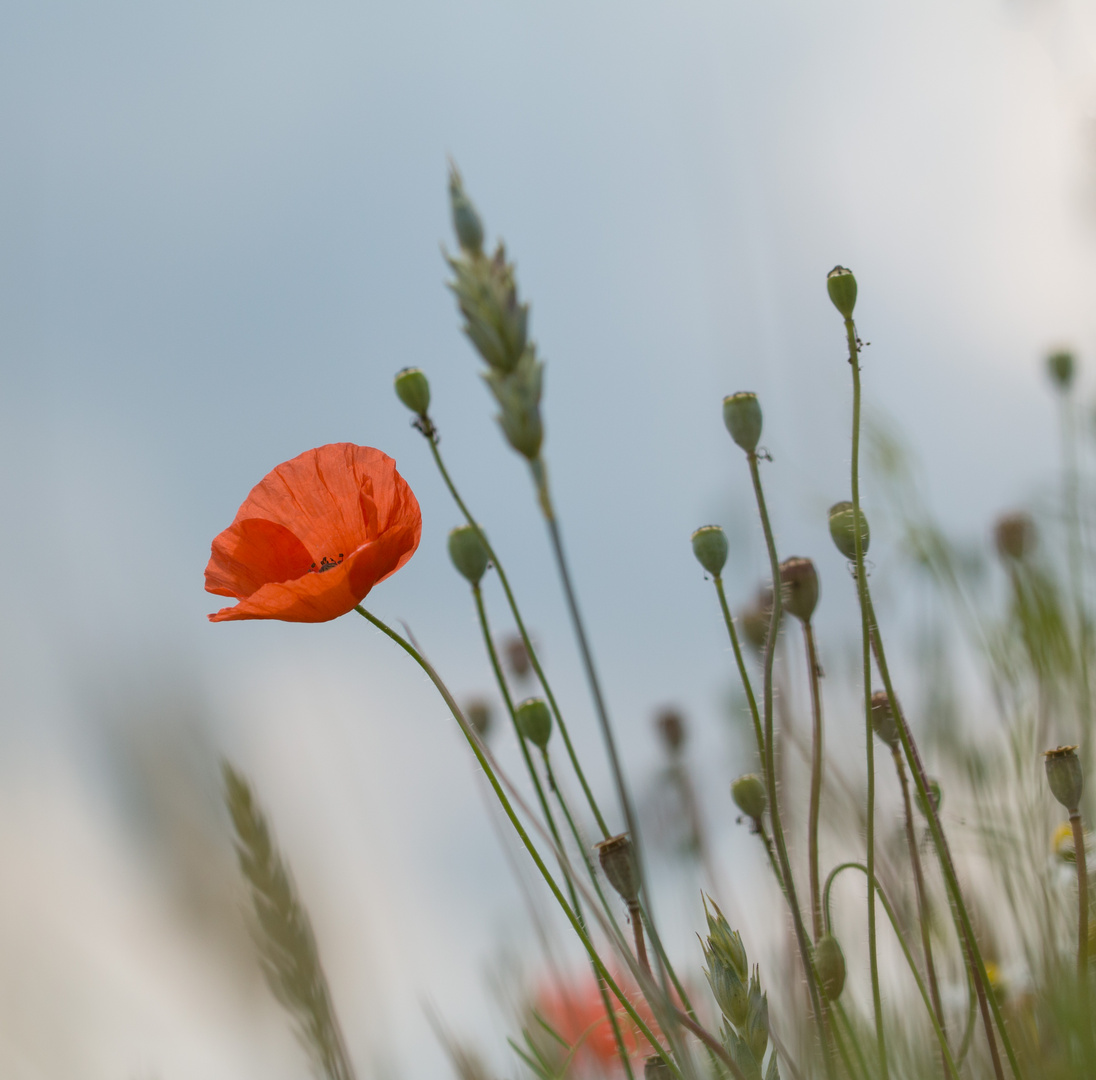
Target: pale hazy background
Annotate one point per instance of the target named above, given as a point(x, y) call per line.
point(219, 239)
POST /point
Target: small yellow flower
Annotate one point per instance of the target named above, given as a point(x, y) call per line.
point(1061, 842)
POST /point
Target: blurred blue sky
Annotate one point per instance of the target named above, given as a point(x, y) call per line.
point(219, 239)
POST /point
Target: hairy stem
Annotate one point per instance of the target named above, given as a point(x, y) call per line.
point(743, 674)
point(1082, 907)
point(817, 754)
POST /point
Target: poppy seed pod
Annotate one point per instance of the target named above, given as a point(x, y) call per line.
point(841, 285)
point(882, 719)
point(478, 713)
point(671, 729)
point(829, 962)
point(1065, 777)
point(842, 516)
point(748, 793)
point(799, 582)
point(413, 389)
point(534, 721)
point(1061, 369)
point(654, 1068)
point(618, 863)
point(467, 553)
point(755, 619)
point(742, 415)
point(710, 548)
point(466, 222)
point(1015, 535)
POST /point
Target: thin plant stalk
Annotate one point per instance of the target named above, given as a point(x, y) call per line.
point(817, 754)
point(431, 434)
point(508, 700)
point(944, 1049)
point(865, 627)
point(769, 760)
point(923, 911)
point(492, 776)
point(1082, 907)
point(987, 1001)
point(744, 675)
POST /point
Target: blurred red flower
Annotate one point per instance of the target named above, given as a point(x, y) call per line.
point(578, 1014)
point(314, 536)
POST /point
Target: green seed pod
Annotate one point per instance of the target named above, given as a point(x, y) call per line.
point(478, 713)
point(710, 548)
point(413, 389)
point(1015, 535)
point(1065, 776)
point(882, 719)
point(467, 552)
point(654, 1068)
point(1061, 368)
point(841, 285)
point(742, 415)
point(936, 794)
point(799, 582)
point(829, 962)
point(618, 862)
point(748, 793)
point(842, 517)
point(534, 721)
point(466, 222)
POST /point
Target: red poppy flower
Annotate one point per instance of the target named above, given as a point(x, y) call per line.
point(314, 536)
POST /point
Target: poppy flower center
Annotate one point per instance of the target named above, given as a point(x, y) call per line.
point(326, 564)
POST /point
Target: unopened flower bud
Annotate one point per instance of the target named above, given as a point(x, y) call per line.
point(654, 1068)
point(1061, 369)
point(413, 389)
point(799, 581)
point(742, 415)
point(710, 548)
point(882, 719)
point(829, 962)
point(467, 553)
point(618, 863)
point(748, 793)
point(1015, 535)
point(841, 285)
point(478, 713)
point(671, 729)
point(725, 943)
point(936, 795)
point(1065, 777)
point(842, 529)
point(466, 222)
point(534, 721)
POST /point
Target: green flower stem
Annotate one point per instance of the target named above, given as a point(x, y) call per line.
point(968, 1030)
point(504, 689)
point(839, 1011)
point(839, 1041)
point(1082, 908)
point(945, 1050)
point(743, 674)
point(817, 753)
point(430, 431)
point(770, 762)
point(865, 627)
point(493, 778)
point(923, 911)
point(987, 1001)
point(759, 828)
point(540, 478)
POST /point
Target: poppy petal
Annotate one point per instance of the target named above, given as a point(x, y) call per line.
point(251, 553)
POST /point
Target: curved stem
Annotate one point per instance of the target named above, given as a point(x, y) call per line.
point(504, 690)
point(987, 1001)
point(862, 588)
point(743, 674)
point(515, 821)
point(1082, 908)
point(923, 912)
point(817, 752)
point(769, 759)
point(948, 1061)
point(432, 439)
